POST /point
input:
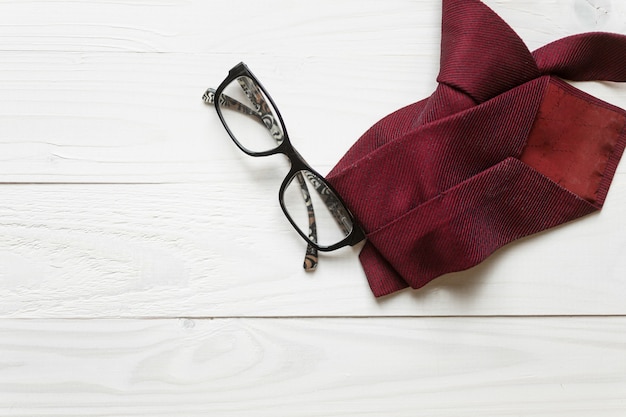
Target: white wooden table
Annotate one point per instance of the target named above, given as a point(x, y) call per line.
point(146, 268)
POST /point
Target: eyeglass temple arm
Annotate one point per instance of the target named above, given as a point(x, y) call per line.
point(265, 117)
point(335, 207)
point(311, 257)
point(209, 98)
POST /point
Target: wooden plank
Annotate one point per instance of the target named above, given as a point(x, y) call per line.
point(222, 250)
point(314, 367)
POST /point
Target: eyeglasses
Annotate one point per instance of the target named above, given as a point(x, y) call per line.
point(253, 122)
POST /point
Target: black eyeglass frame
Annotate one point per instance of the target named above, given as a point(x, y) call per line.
point(297, 161)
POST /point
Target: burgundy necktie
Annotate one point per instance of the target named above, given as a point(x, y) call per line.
point(502, 149)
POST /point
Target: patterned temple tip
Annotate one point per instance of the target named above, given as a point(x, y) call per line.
point(209, 96)
point(311, 259)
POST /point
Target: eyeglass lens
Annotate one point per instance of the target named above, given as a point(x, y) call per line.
point(322, 211)
point(250, 116)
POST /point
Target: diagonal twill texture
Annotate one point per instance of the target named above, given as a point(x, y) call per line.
point(503, 148)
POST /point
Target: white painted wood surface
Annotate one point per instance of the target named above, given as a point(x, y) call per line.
point(146, 268)
point(314, 367)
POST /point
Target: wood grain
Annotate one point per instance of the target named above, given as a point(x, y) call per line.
point(313, 367)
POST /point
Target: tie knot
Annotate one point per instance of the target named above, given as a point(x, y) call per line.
point(481, 55)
